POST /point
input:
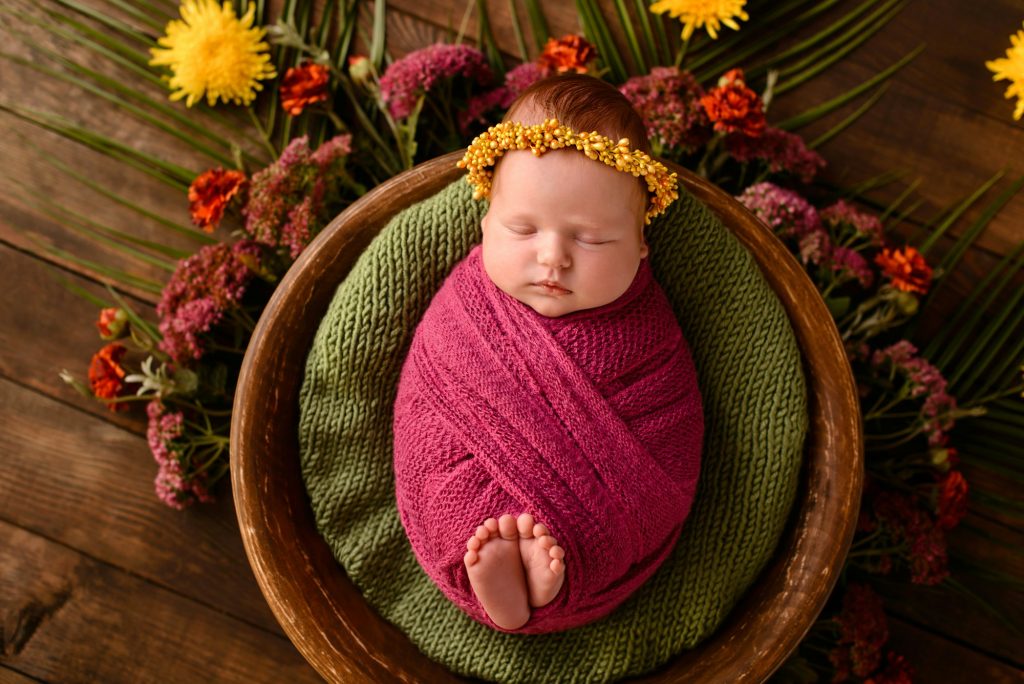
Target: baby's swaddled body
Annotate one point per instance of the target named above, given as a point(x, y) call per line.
point(591, 421)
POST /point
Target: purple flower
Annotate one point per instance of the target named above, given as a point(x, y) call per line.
point(668, 99)
point(164, 436)
point(784, 211)
point(416, 73)
point(847, 260)
point(516, 81)
point(926, 380)
point(783, 151)
point(203, 287)
point(844, 214)
point(292, 199)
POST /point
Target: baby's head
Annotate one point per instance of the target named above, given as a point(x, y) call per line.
point(562, 216)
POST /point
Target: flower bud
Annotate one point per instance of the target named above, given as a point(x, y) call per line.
point(906, 303)
point(360, 69)
point(111, 323)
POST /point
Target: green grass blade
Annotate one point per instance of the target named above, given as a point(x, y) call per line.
point(858, 31)
point(651, 45)
point(631, 42)
point(78, 226)
point(175, 176)
point(989, 344)
point(108, 21)
point(486, 40)
point(960, 329)
point(379, 35)
point(517, 30)
point(818, 111)
point(596, 31)
point(346, 29)
point(538, 24)
point(809, 43)
point(738, 47)
point(114, 274)
point(958, 211)
point(848, 121)
point(839, 48)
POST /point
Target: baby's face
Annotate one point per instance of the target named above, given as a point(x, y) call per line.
point(566, 218)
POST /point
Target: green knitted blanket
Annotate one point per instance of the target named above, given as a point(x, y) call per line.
point(755, 421)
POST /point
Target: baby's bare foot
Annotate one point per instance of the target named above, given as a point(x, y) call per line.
point(495, 568)
point(543, 560)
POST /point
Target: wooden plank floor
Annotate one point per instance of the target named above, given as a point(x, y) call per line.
point(99, 581)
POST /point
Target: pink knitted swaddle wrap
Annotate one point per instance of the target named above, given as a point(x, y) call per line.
point(591, 421)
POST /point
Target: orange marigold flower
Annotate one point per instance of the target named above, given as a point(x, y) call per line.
point(209, 195)
point(568, 53)
point(734, 107)
point(111, 322)
point(952, 500)
point(106, 377)
point(304, 85)
point(907, 269)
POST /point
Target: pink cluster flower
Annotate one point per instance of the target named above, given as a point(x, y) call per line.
point(842, 213)
point(289, 201)
point(668, 99)
point(783, 151)
point(203, 287)
point(416, 73)
point(516, 81)
point(172, 485)
point(924, 380)
point(790, 216)
point(846, 260)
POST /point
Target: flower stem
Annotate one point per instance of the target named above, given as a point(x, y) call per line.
point(263, 134)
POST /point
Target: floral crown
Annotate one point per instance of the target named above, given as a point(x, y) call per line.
point(483, 152)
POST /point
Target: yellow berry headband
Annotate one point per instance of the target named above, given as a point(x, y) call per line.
point(485, 149)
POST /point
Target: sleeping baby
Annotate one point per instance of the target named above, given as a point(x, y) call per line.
point(548, 425)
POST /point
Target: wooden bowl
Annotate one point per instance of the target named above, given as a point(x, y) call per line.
point(325, 615)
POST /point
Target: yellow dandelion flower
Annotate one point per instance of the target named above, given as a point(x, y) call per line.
point(210, 50)
point(708, 13)
point(1011, 68)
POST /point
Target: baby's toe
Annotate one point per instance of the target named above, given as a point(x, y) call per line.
point(556, 552)
point(471, 557)
point(540, 530)
point(525, 525)
point(557, 566)
point(507, 527)
point(491, 524)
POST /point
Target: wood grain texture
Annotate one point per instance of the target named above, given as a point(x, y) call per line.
point(323, 612)
point(70, 618)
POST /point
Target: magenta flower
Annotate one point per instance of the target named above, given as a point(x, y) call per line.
point(925, 380)
point(516, 81)
point(843, 214)
point(783, 151)
point(164, 434)
point(846, 260)
point(417, 73)
point(203, 287)
point(784, 211)
point(293, 198)
point(668, 99)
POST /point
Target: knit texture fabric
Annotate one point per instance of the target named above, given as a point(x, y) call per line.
point(755, 413)
point(590, 421)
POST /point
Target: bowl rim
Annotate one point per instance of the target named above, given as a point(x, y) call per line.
point(325, 615)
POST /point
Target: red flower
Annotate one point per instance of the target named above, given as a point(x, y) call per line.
point(906, 267)
point(952, 500)
point(863, 626)
point(106, 377)
point(209, 195)
point(304, 85)
point(733, 107)
point(568, 53)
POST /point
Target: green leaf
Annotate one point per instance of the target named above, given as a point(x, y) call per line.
point(829, 106)
point(379, 36)
point(486, 40)
point(538, 24)
point(651, 45)
point(517, 30)
point(626, 22)
point(596, 31)
point(75, 288)
point(848, 121)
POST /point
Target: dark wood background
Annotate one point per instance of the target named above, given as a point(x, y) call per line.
point(99, 581)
